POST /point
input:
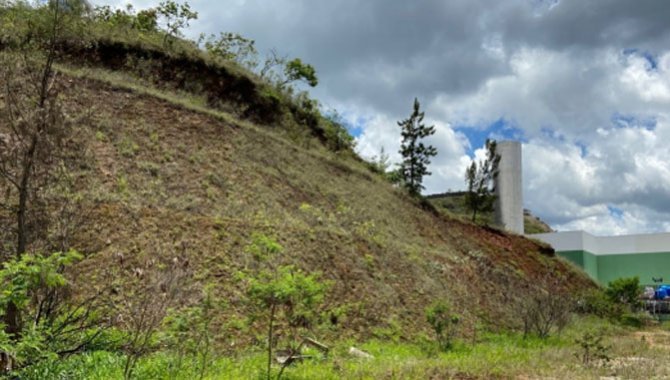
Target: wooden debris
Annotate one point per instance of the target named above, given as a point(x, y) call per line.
point(316, 344)
point(286, 357)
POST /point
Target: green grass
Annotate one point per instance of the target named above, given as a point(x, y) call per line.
point(494, 355)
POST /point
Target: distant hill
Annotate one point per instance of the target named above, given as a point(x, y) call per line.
point(453, 203)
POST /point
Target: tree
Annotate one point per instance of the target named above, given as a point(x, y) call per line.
point(416, 155)
point(293, 70)
point(296, 70)
point(481, 181)
point(285, 291)
point(232, 46)
point(177, 16)
point(282, 296)
point(33, 134)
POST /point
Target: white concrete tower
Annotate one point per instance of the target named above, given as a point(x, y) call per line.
point(509, 202)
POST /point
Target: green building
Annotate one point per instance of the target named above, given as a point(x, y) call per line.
point(606, 258)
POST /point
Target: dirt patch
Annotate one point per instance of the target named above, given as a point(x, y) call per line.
point(655, 339)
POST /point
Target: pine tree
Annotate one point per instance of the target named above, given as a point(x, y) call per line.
point(481, 181)
point(416, 155)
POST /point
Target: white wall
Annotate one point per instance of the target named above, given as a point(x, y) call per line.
point(606, 245)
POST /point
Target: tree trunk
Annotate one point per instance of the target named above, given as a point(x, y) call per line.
point(24, 192)
point(270, 334)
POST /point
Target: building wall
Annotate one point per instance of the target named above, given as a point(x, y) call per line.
point(607, 258)
point(643, 265)
point(585, 260)
point(592, 266)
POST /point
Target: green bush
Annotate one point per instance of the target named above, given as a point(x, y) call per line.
point(625, 291)
point(49, 324)
point(443, 322)
point(596, 302)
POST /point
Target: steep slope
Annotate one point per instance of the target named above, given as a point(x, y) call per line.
point(164, 181)
point(189, 159)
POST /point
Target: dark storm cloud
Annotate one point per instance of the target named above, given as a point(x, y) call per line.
point(589, 24)
point(374, 51)
point(382, 53)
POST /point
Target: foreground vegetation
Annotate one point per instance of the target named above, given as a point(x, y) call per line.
point(490, 355)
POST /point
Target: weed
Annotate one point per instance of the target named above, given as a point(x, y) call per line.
point(122, 185)
point(154, 137)
point(127, 147)
point(392, 330)
point(369, 261)
point(100, 136)
point(591, 349)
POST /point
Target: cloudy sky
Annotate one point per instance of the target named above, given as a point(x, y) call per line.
point(585, 85)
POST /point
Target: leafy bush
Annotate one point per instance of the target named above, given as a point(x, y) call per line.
point(443, 322)
point(625, 291)
point(335, 132)
point(35, 292)
point(596, 302)
point(232, 46)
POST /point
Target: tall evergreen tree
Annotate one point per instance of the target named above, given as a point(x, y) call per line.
point(481, 181)
point(416, 155)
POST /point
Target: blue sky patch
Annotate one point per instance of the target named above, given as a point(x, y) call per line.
point(615, 212)
point(651, 58)
point(500, 129)
point(631, 121)
point(354, 125)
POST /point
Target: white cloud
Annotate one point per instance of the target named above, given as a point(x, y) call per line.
point(651, 84)
point(624, 168)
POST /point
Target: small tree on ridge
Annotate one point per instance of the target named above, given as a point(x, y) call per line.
point(416, 155)
point(481, 181)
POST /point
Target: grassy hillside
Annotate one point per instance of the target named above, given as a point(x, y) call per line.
point(163, 173)
point(190, 162)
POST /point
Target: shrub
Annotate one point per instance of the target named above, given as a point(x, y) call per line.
point(544, 313)
point(189, 333)
point(591, 349)
point(625, 291)
point(596, 302)
point(55, 325)
point(335, 132)
point(443, 322)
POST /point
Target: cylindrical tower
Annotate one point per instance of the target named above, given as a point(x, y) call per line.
point(509, 192)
